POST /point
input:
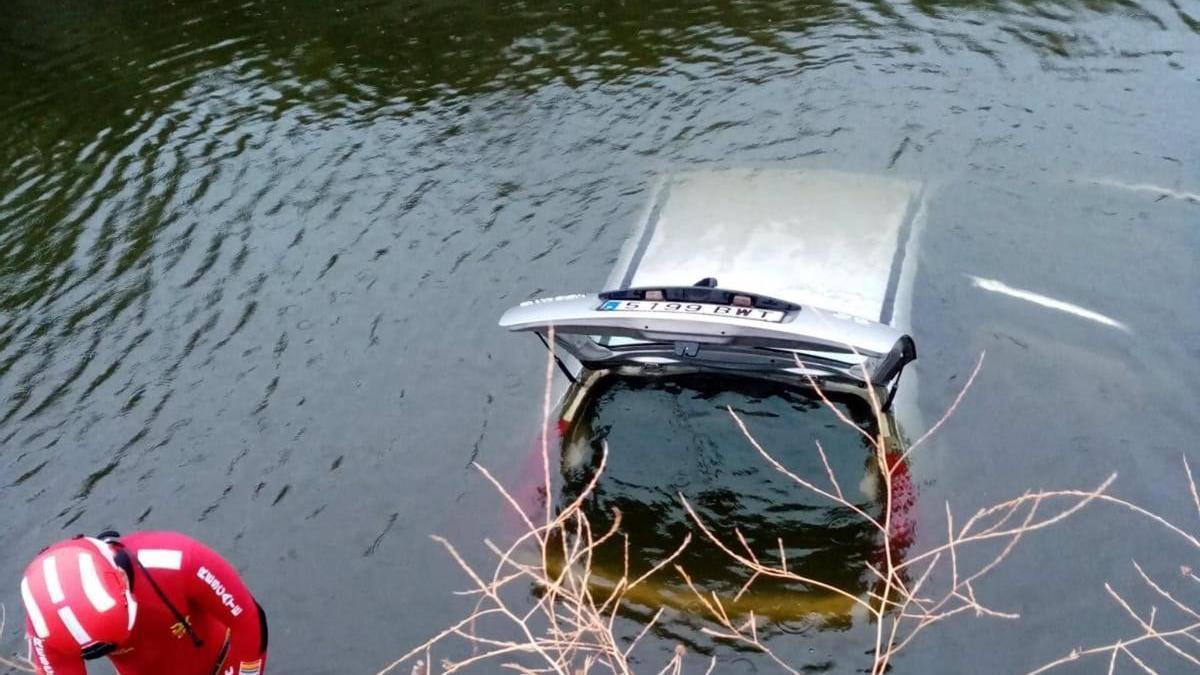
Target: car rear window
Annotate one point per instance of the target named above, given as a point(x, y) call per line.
point(668, 437)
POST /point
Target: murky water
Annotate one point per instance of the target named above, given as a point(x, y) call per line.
point(252, 254)
point(671, 438)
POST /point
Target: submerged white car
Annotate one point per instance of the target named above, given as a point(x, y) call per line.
point(737, 287)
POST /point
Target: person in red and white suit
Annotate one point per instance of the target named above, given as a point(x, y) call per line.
point(152, 602)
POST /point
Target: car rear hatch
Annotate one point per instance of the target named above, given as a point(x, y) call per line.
point(709, 328)
point(768, 271)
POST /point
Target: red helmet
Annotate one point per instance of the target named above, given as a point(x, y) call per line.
point(77, 598)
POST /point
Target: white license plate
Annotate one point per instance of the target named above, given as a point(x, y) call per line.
point(702, 308)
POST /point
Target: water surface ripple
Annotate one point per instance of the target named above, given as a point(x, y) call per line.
point(252, 253)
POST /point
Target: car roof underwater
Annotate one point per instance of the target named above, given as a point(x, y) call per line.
point(828, 239)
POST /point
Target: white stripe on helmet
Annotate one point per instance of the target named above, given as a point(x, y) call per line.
point(161, 558)
point(68, 618)
point(131, 607)
point(92, 586)
point(105, 550)
point(34, 613)
point(50, 571)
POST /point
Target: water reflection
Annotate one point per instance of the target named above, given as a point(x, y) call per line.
point(673, 437)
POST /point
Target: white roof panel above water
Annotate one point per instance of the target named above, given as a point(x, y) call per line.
point(827, 239)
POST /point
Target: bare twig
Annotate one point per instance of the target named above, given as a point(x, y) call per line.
point(570, 628)
point(19, 664)
point(1151, 632)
